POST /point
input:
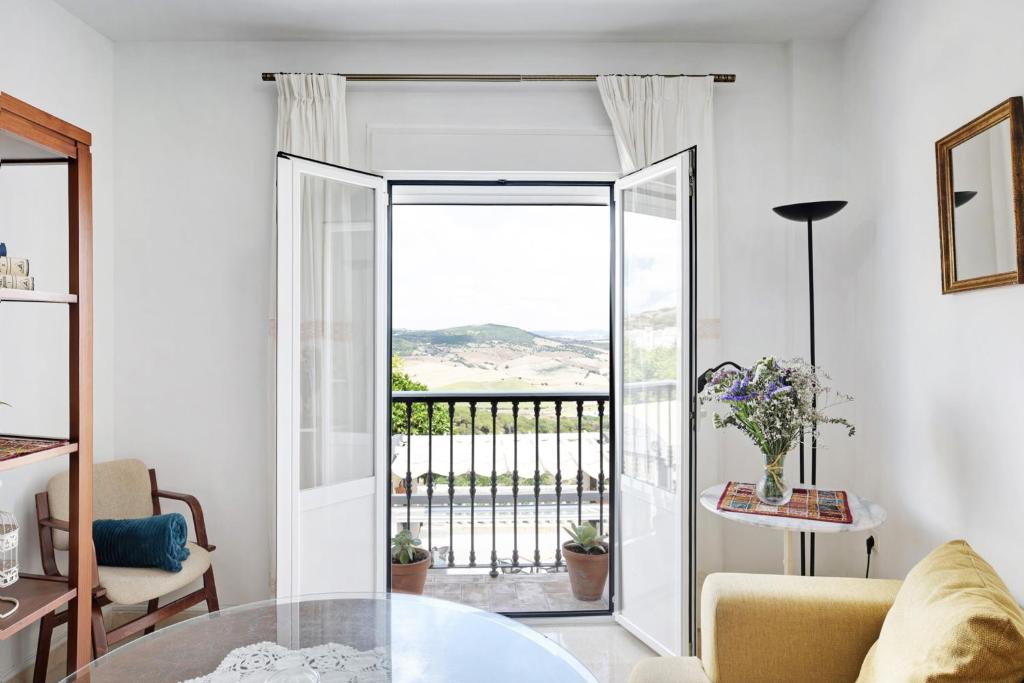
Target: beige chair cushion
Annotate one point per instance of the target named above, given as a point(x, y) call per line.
point(953, 620)
point(132, 585)
point(668, 670)
point(121, 490)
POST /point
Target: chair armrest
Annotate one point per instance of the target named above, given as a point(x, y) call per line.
point(58, 524)
point(198, 521)
point(769, 628)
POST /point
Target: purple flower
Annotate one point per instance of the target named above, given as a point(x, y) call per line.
point(739, 391)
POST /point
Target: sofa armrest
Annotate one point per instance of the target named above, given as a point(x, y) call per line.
point(767, 628)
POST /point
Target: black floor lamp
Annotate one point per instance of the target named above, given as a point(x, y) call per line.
point(808, 212)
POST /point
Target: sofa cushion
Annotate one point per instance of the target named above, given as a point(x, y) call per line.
point(953, 620)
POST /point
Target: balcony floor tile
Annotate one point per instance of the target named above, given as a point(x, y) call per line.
point(508, 593)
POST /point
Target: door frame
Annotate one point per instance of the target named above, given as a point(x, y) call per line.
point(495, 180)
point(690, 365)
point(288, 551)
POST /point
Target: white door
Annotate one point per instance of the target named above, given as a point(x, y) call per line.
point(331, 373)
point(653, 341)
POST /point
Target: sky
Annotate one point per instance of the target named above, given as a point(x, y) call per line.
point(541, 268)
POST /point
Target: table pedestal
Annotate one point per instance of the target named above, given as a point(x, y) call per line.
point(788, 539)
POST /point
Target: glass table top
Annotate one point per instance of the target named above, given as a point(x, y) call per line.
point(350, 638)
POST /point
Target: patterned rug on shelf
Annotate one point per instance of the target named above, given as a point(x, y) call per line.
point(818, 505)
point(334, 663)
point(16, 446)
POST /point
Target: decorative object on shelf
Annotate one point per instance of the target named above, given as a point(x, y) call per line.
point(773, 403)
point(808, 212)
point(586, 557)
point(17, 282)
point(8, 560)
point(982, 242)
point(17, 446)
point(409, 564)
point(11, 265)
point(338, 662)
point(14, 273)
point(814, 504)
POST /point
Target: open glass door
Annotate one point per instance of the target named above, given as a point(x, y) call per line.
point(331, 371)
point(654, 344)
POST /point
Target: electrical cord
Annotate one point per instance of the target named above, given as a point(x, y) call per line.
point(871, 546)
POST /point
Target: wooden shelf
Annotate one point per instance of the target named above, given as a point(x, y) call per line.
point(60, 447)
point(40, 297)
point(30, 135)
point(37, 595)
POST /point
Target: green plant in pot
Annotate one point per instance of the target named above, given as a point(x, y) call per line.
point(409, 564)
point(586, 557)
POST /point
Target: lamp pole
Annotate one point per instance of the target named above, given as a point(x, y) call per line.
point(808, 212)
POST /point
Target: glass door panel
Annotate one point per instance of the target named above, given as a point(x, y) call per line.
point(652, 397)
point(331, 378)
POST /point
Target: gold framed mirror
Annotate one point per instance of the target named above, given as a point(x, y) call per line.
point(980, 170)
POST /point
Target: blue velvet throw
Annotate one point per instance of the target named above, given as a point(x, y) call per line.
point(157, 541)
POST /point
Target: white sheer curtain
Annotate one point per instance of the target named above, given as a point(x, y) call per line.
point(654, 117)
point(311, 122)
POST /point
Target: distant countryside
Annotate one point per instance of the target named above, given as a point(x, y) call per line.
point(499, 358)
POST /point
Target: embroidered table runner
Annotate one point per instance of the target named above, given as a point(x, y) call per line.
point(335, 663)
point(818, 505)
point(16, 446)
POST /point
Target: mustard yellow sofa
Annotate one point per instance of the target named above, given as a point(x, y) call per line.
point(757, 627)
point(951, 619)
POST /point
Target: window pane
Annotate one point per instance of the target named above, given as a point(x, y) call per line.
point(652, 291)
point(336, 337)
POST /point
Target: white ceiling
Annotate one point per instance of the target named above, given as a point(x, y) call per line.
point(598, 20)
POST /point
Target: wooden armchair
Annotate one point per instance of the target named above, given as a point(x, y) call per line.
point(123, 489)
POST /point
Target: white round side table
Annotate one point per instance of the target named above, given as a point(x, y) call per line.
point(866, 515)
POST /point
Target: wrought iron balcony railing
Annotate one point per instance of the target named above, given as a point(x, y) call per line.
point(509, 468)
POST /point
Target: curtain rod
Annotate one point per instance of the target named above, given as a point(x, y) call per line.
point(496, 78)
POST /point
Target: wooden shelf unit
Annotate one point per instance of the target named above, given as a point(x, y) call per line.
point(30, 136)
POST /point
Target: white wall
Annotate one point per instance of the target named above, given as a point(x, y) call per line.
point(53, 61)
point(194, 179)
point(938, 376)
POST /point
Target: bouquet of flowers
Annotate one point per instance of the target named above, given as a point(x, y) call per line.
point(774, 402)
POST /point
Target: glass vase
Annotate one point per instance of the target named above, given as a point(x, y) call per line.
point(772, 489)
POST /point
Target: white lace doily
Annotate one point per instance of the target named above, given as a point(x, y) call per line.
point(334, 662)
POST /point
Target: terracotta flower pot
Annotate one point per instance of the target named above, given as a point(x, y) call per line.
point(410, 578)
point(587, 573)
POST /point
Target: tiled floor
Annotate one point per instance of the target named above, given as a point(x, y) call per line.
point(509, 592)
point(601, 645)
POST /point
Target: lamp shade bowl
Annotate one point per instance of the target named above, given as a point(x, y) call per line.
point(810, 211)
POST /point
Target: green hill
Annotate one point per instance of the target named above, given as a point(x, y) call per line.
point(407, 341)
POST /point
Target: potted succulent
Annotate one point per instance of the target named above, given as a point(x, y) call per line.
point(586, 556)
point(409, 564)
